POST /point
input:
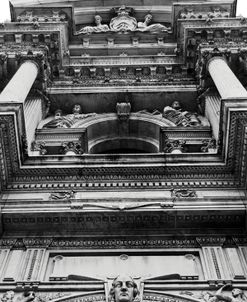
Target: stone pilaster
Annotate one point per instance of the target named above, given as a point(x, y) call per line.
point(32, 264)
point(13, 265)
point(33, 115)
point(212, 112)
point(234, 263)
point(228, 85)
point(215, 263)
point(21, 83)
point(3, 259)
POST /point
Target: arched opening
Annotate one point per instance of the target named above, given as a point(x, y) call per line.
point(123, 146)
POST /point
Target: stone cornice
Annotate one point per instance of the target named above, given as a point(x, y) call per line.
point(104, 89)
point(121, 242)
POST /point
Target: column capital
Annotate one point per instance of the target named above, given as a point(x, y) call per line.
point(36, 58)
point(32, 62)
point(214, 59)
point(21, 83)
point(228, 85)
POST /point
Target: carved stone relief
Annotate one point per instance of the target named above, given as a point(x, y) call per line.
point(124, 23)
point(52, 16)
point(128, 289)
point(216, 12)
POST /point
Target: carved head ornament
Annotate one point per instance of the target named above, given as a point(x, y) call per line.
point(124, 289)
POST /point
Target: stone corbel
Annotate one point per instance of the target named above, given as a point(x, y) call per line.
point(211, 241)
point(210, 35)
point(85, 42)
point(227, 33)
point(35, 38)
point(138, 73)
point(40, 147)
point(198, 34)
point(153, 70)
point(92, 72)
point(218, 283)
point(175, 146)
point(27, 286)
point(135, 41)
point(18, 38)
point(160, 40)
point(71, 148)
point(184, 70)
point(244, 33)
point(110, 41)
point(77, 72)
point(209, 146)
point(47, 39)
point(107, 71)
point(122, 71)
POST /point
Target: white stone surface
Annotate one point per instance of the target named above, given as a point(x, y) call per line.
point(20, 84)
point(228, 85)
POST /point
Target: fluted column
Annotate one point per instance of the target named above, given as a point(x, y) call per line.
point(33, 114)
point(228, 85)
point(21, 83)
point(212, 113)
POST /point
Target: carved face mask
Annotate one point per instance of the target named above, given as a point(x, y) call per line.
point(123, 289)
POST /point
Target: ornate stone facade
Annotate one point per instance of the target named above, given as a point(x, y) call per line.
point(123, 149)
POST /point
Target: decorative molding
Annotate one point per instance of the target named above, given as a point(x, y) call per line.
point(62, 195)
point(39, 146)
point(208, 145)
point(31, 16)
point(45, 297)
point(112, 243)
point(211, 241)
point(183, 193)
point(189, 13)
point(123, 207)
point(88, 221)
point(174, 145)
point(71, 147)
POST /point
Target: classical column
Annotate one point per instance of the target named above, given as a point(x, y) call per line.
point(225, 80)
point(21, 83)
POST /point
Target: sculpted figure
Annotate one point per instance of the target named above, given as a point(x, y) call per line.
point(67, 121)
point(123, 22)
point(94, 29)
point(237, 295)
point(59, 121)
point(145, 26)
point(179, 117)
point(8, 296)
point(124, 289)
